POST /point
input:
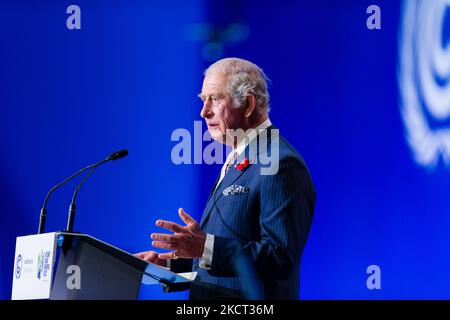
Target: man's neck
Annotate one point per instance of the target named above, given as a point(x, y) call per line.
point(257, 124)
point(259, 121)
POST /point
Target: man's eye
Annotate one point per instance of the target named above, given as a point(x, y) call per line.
point(214, 99)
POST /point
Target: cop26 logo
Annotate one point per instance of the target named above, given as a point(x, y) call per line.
point(40, 264)
point(424, 79)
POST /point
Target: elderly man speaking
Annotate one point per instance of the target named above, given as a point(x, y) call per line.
point(255, 224)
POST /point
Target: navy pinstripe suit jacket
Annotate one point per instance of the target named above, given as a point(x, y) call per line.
point(268, 223)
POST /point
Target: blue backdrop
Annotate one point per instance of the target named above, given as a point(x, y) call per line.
point(130, 77)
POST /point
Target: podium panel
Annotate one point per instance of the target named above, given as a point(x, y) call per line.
point(99, 273)
point(33, 266)
point(90, 269)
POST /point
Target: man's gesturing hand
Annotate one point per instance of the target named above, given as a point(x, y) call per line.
point(187, 241)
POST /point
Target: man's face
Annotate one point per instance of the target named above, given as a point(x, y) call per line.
point(218, 110)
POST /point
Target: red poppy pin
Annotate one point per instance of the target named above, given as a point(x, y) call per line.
point(242, 165)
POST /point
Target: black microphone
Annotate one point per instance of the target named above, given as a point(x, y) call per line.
point(118, 154)
point(72, 208)
point(43, 215)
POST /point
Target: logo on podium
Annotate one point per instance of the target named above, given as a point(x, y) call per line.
point(18, 266)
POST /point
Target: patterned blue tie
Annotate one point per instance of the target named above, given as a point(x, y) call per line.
point(230, 164)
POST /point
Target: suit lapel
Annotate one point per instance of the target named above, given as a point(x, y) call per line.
point(214, 187)
point(227, 181)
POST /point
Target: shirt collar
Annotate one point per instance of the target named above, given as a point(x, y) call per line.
point(245, 142)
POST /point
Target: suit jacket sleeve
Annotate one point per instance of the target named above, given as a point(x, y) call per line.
point(180, 265)
point(286, 201)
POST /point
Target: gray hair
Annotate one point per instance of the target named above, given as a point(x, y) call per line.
point(245, 78)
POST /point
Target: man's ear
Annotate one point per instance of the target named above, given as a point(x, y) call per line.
point(250, 106)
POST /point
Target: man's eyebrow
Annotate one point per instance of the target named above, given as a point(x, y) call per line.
point(204, 96)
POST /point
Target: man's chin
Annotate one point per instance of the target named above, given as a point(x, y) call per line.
point(216, 135)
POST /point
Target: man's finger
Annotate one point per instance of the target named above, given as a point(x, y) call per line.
point(172, 226)
point(141, 255)
point(164, 245)
point(151, 256)
point(164, 237)
point(165, 256)
point(185, 217)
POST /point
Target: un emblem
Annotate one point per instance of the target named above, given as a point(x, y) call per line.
point(424, 79)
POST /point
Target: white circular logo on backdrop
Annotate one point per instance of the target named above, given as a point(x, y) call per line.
point(424, 79)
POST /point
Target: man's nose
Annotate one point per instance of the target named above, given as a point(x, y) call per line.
point(206, 111)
